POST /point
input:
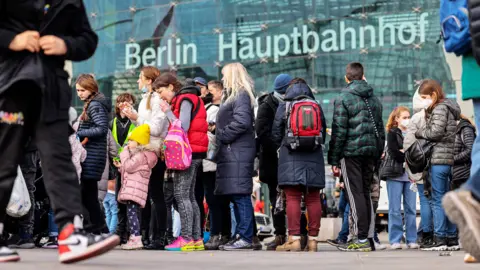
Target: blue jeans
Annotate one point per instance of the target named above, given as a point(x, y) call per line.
point(243, 209)
point(233, 220)
point(111, 212)
point(473, 183)
point(426, 217)
point(343, 203)
point(440, 175)
point(52, 226)
point(396, 191)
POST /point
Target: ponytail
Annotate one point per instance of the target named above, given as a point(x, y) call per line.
point(84, 115)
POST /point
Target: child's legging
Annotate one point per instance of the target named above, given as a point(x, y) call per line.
point(184, 193)
point(133, 222)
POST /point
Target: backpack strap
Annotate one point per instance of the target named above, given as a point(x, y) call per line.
point(377, 134)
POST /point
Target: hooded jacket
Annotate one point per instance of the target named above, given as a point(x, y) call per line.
point(136, 171)
point(106, 176)
point(464, 140)
point(266, 148)
point(66, 19)
point(197, 132)
point(416, 122)
point(297, 168)
point(353, 132)
point(95, 128)
point(441, 128)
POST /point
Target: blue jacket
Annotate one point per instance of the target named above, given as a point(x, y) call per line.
point(298, 168)
point(96, 130)
point(235, 137)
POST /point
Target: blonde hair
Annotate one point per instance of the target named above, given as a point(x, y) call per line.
point(396, 113)
point(236, 79)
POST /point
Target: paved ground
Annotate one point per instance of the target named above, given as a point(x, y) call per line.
point(326, 258)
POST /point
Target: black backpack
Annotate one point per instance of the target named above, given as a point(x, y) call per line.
point(418, 155)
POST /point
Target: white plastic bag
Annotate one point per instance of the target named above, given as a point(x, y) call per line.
point(19, 203)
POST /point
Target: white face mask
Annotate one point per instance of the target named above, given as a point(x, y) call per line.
point(405, 122)
point(426, 103)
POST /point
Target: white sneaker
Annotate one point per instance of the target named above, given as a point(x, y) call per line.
point(413, 246)
point(8, 255)
point(75, 245)
point(396, 246)
point(379, 246)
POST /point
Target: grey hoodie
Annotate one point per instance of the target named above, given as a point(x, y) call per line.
point(416, 122)
point(441, 128)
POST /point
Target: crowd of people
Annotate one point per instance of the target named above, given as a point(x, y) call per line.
point(112, 182)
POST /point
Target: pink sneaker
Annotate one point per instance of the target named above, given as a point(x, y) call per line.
point(181, 245)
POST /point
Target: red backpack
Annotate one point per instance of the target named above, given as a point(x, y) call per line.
point(304, 124)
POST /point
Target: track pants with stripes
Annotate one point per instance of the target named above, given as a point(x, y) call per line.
point(358, 178)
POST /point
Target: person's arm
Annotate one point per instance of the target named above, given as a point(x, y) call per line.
point(278, 127)
point(411, 129)
point(394, 147)
point(339, 133)
point(82, 41)
point(324, 125)
point(185, 116)
point(468, 135)
point(131, 163)
point(99, 116)
point(436, 128)
point(241, 122)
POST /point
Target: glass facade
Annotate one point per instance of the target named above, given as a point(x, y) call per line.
point(313, 39)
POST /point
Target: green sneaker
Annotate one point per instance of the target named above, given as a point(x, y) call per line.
point(356, 246)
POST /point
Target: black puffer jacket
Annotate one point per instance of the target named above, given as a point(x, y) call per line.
point(440, 129)
point(267, 150)
point(463, 151)
point(96, 130)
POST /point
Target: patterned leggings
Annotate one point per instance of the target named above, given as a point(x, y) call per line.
point(133, 222)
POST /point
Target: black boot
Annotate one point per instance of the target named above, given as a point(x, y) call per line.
point(257, 245)
point(169, 238)
point(145, 239)
point(213, 243)
point(158, 243)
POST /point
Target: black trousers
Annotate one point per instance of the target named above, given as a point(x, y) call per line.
point(157, 199)
point(219, 207)
point(279, 220)
point(19, 119)
point(94, 221)
point(29, 171)
point(200, 196)
point(358, 177)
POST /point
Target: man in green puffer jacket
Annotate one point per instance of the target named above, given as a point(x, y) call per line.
point(356, 144)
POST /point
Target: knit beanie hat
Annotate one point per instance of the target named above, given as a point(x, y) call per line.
point(281, 83)
point(141, 134)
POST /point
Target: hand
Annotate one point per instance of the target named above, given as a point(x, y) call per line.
point(117, 164)
point(335, 170)
point(52, 45)
point(131, 114)
point(164, 106)
point(85, 141)
point(211, 127)
point(27, 40)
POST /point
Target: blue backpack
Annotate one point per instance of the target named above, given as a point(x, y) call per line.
point(455, 26)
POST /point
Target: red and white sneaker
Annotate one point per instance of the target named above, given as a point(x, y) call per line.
point(76, 245)
point(8, 255)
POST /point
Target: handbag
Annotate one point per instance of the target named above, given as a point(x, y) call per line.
point(379, 143)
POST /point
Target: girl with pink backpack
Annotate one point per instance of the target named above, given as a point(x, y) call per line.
point(186, 146)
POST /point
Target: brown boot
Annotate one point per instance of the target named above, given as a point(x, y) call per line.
point(279, 240)
point(312, 244)
point(292, 244)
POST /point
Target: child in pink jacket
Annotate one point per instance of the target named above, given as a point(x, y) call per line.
point(137, 161)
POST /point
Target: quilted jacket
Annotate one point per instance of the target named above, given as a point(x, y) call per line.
point(136, 170)
point(353, 132)
point(441, 128)
point(463, 151)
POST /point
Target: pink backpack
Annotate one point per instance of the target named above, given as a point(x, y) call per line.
point(178, 153)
